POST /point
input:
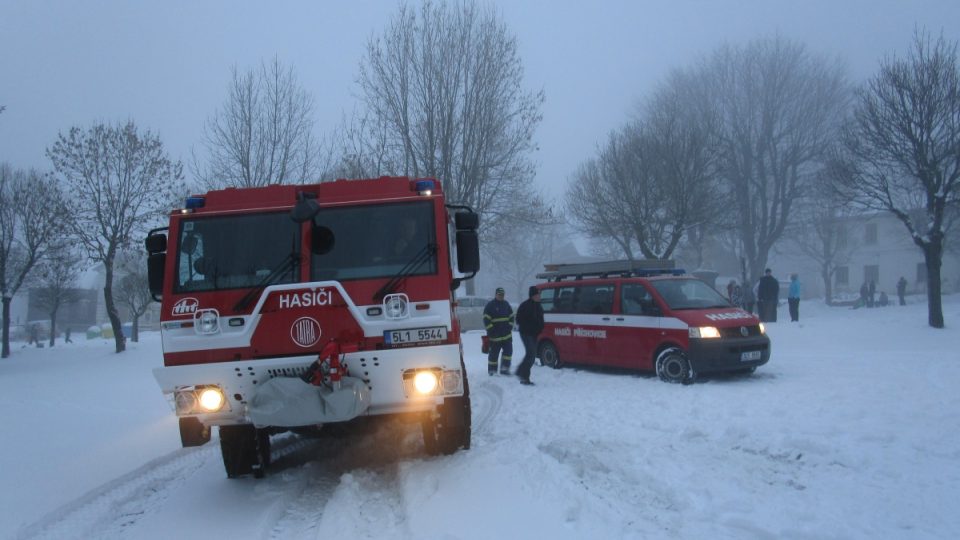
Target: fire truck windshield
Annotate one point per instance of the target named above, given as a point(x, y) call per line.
point(230, 252)
point(376, 241)
point(689, 294)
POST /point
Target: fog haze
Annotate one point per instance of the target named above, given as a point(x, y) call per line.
point(167, 65)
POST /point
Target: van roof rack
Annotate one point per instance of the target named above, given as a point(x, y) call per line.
point(642, 268)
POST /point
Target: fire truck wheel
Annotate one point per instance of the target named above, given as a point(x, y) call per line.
point(192, 432)
point(449, 431)
point(673, 367)
point(238, 445)
point(549, 356)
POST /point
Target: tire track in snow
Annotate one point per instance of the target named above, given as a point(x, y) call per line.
point(306, 473)
point(109, 509)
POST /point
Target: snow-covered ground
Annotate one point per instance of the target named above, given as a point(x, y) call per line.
point(851, 431)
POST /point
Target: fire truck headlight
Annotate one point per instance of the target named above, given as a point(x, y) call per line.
point(763, 329)
point(206, 321)
point(425, 382)
point(211, 399)
point(704, 332)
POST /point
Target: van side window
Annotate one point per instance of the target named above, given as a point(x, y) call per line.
point(565, 300)
point(547, 297)
point(595, 299)
point(635, 299)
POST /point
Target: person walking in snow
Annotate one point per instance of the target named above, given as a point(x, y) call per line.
point(498, 319)
point(793, 298)
point(768, 295)
point(530, 321)
point(902, 290)
point(871, 292)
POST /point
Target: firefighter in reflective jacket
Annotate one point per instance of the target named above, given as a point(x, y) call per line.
point(498, 319)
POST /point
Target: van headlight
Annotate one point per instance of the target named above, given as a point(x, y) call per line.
point(763, 329)
point(704, 332)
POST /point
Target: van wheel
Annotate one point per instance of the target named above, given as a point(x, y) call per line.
point(548, 355)
point(673, 367)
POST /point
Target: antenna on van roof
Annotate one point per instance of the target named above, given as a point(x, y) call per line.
point(642, 268)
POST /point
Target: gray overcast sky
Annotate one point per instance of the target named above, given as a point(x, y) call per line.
point(166, 65)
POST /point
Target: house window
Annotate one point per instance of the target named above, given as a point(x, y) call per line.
point(871, 234)
point(842, 275)
point(921, 272)
point(871, 272)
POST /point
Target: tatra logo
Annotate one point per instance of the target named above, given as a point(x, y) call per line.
point(730, 315)
point(321, 297)
point(305, 332)
point(185, 306)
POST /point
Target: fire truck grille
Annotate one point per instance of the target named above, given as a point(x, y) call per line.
point(737, 331)
point(295, 371)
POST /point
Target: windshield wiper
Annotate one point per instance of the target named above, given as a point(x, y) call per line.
point(415, 263)
point(286, 264)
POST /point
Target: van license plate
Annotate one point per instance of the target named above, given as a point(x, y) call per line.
point(749, 355)
point(415, 335)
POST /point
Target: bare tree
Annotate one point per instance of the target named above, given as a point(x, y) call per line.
point(132, 290)
point(652, 182)
point(263, 134)
point(777, 108)
point(903, 149)
point(522, 252)
point(819, 231)
point(120, 181)
point(444, 97)
point(56, 282)
point(590, 201)
point(31, 215)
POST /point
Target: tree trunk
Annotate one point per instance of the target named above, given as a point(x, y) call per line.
point(933, 255)
point(135, 331)
point(6, 326)
point(827, 286)
point(53, 327)
point(112, 307)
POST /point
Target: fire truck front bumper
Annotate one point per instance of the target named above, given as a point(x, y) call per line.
point(712, 356)
point(290, 402)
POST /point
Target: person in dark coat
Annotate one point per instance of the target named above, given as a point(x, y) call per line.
point(498, 320)
point(864, 291)
point(768, 295)
point(902, 290)
point(530, 321)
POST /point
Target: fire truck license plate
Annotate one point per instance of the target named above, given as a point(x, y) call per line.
point(415, 335)
point(749, 355)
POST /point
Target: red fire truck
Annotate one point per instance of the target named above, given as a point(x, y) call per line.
point(301, 305)
point(645, 315)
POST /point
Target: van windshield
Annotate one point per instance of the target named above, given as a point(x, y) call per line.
point(689, 294)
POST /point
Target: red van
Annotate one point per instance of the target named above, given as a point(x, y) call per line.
point(629, 315)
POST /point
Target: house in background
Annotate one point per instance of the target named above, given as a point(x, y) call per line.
point(879, 250)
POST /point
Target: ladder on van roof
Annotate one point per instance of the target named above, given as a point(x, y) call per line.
point(641, 268)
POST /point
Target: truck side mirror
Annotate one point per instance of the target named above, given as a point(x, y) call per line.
point(468, 251)
point(155, 265)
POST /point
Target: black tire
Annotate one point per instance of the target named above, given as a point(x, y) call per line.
point(549, 356)
point(192, 432)
point(245, 450)
point(673, 367)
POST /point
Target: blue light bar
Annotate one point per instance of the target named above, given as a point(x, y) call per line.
point(424, 187)
point(194, 202)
